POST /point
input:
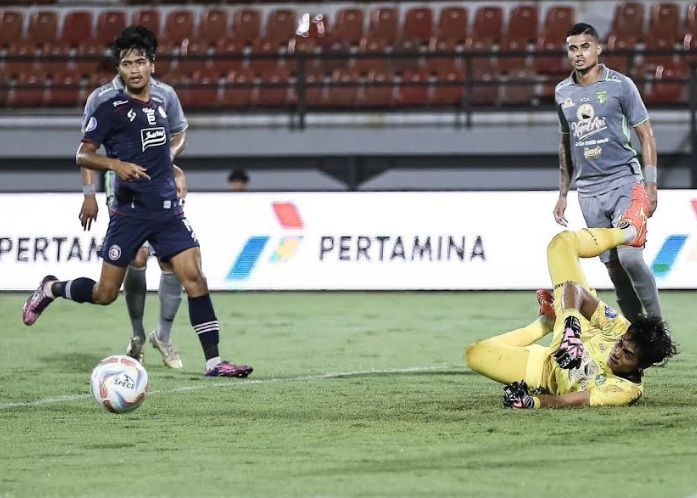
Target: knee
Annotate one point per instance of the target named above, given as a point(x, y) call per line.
point(141, 259)
point(195, 284)
point(106, 295)
point(560, 242)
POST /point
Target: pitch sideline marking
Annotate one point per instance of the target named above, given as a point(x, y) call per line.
point(234, 384)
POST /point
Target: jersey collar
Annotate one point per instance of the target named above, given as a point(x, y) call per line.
point(604, 71)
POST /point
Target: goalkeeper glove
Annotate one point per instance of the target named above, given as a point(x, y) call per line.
point(516, 395)
point(570, 351)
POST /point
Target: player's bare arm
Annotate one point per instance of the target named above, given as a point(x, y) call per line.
point(178, 144)
point(571, 400)
point(180, 182)
point(90, 208)
point(577, 297)
point(87, 157)
point(648, 152)
point(565, 172)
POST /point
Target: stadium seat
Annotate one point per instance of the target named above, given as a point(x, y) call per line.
point(56, 58)
point(668, 86)
point(372, 55)
point(410, 57)
point(77, 27)
point(446, 63)
point(448, 89)
point(690, 47)
point(267, 50)
point(481, 49)
point(452, 24)
point(413, 89)
point(26, 60)
point(213, 25)
point(623, 63)
point(11, 23)
point(628, 20)
point(551, 63)
point(488, 24)
point(316, 28)
point(64, 90)
point(204, 90)
point(90, 58)
point(519, 88)
point(43, 27)
point(246, 25)
point(485, 89)
point(166, 57)
point(99, 79)
point(349, 26)
point(340, 50)
point(343, 88)
point(690, 26)
point(29, 90)
point(193, 57)
point(4, 89)
point(651, 61)
point(418, 25)
point(179, 26)
point(281, 25)
point(110, 24)
point(238, 89)
point(384, 24)
point(523, 21)
point(228, 54)
point(558, 21)
point(315, 91)
point(513, 63)
point(378, 90)
point(665, 21)
point(150, 18)
point(301, 46)
point(273, 89)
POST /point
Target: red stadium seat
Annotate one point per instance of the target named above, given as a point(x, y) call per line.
point(238, 90)
point(228, 54)
point(338, 48)
point(274, 90)
point(301, 46)
point(179, 26)
point(452, 24)
point(384, 24)
point(513, 63)
point(56, 58)
point(619, 62)
point(246, 25)
point(343, 88)
point(110, 24)
point(26, 61)
point(522, 23)
point(519, 88)
point(11, 22)
point(378, 90)
point(77, 27)
point(691, 19)
point(204, 90)
point(485, 90)
point(281, 25)
point(488, 23)
point(443, 64)
point(448, 89)
point(668, 86)
point(372, 53)
point(317, 29)
point(213, 25)
point(651, 61)
point(558, 21)
point(193, 57)
point(29, 91)
point(551, 63)
point(481, 50)
point(349, 26)
point(4, 90)
point(418, 25)
point(628, 19)
point(410, 57)
point(150, 18)
point(665, 21)
point(64, 90)
point(43, 27)
point(166, 57)
point(90, 58)
point(315, 91)
point(267, 49)
point(413, 89)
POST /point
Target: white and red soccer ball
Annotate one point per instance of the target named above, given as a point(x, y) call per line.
point(119, 384)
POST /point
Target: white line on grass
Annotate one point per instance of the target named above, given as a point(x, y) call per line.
point(233, 383)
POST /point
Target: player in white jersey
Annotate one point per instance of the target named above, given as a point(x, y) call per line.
point(170, 289)
point(597, 109)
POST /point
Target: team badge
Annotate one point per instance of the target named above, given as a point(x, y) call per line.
point(91, 124)
point(114, 252)
point(568, 103)
point(601, 97)
point(600, 379)
point(609, 312)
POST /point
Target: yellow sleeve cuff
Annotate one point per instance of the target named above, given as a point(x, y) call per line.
point(536, 403)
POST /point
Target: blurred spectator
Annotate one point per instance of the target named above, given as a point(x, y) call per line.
point(238, 180)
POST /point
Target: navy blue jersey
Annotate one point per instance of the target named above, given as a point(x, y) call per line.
point(139, 133)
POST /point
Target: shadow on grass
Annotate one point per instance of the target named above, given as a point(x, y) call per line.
point(71, 362)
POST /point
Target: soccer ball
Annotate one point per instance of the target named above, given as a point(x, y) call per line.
point(119, 384)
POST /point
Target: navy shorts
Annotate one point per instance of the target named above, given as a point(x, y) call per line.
point(167, 236)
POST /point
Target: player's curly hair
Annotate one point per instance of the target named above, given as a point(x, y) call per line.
point(651, 335)
point(134, 37)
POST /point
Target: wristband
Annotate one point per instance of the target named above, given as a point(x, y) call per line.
point(650, 174)
point(88, 189)
point(536, 403)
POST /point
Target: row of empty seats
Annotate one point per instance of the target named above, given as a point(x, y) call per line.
point(341, 88)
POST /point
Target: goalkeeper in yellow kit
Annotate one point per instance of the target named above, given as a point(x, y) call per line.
point(596, 358)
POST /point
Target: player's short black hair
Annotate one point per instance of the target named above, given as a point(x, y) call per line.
point(134, 37)
point(651, 336)
point(238, 175)
point(582, 28)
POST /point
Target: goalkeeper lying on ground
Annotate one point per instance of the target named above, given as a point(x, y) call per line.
point(596, 358)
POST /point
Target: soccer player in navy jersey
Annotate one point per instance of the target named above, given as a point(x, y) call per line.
point(135, 287)
point(135, 133)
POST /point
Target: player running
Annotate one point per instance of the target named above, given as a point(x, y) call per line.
point(135, 132)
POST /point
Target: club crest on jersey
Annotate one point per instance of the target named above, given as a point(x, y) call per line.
point(91, 124)
point(601, 97)
point(153, 137)
point(609, 312)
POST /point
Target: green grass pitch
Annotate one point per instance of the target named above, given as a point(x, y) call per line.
point(353, 395)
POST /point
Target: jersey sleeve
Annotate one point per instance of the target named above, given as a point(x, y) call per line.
point(90, 107)
point(175, 113)
point(563, 123)
point(98, 124)
point(608, 322)
point(632, 105)
point(615, 392)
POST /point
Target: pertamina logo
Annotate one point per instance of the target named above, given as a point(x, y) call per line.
point(671, 248)
point(288, 218)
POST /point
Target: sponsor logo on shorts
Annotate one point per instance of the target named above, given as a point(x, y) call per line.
point(153, 137)
point(609, 312)
point(114, 252)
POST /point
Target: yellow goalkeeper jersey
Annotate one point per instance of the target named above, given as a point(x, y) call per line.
point(595, 375)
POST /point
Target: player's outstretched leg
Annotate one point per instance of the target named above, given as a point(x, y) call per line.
point(38, 301)
point(79, 290)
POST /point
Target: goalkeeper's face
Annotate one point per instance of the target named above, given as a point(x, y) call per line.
point(624, 357)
